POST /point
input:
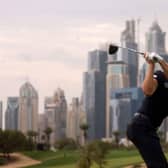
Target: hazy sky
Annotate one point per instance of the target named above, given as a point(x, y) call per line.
point(46, 41)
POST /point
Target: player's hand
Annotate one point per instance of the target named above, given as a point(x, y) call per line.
point(155, 57)
point(148, 58)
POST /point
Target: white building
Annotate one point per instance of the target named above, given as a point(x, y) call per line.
point(28, 108)
point(155, 39)
point(56, 111)
point(75, 117)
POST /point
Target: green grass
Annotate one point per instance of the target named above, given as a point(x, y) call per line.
point(120, 158)
point(59, 159)
point(115, 158)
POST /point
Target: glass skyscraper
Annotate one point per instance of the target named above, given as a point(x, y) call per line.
point(94, 92)
point(28, 108)
point(130, 58)
point(123, 103)
point(116, 78)
point(155, 39)
point(11, 115)
point(56, 113)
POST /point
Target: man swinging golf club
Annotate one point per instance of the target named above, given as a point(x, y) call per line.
point(142, 130)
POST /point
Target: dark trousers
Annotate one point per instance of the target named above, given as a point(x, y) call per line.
point(145, 138)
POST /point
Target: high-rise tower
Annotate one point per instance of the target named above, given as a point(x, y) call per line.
point(11, 114)
point(56, 113)
point(28, 108)
point(116, 78)
point(155, 39)
point(130, 58)
point(94, 93)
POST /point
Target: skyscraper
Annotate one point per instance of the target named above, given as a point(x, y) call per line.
point(1, 115)
point(124, 103)
point(94, 93)
point(42, 125)
point(75, 118)
point(130, 58)
point(155, 39)
point(28, 108)
point(56, 112)
point(11, 114)
point(116, 78)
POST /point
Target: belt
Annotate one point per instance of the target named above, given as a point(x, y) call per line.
point(146, 118)
point(141, 115)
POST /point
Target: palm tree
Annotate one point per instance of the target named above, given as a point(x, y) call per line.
point(116, 137)
point(48, 132)
point(85, 158)
point(36, 134)
point(30, 134)
point(99, 151)
point(84, 127)
point(93, 153)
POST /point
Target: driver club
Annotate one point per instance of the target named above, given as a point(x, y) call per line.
point(114, 48)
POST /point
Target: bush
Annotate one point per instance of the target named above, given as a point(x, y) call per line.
point(66, 143)
point(165, 146)
point(29, 145)
point(94, 152)
point(11, 141)
point(41, 146)
point(3, 160)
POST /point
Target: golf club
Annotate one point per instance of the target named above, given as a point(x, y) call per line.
point(114, 48)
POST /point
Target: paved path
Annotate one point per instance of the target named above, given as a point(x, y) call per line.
point(21, 161)
point(141, 166)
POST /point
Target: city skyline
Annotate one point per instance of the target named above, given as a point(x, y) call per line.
point(40, 39)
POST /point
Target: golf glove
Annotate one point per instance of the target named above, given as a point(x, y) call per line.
point(155, 57)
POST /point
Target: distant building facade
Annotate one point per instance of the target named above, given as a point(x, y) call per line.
point(124, 103)
point(116, 78)
point(42, 125)
point(75, 117)
point(56, 112)
point(155, 39)
point(28, 108)
point(94, 93)
point(130, 58)
point(11, 114)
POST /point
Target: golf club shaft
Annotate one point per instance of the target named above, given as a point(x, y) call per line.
point(132, 50)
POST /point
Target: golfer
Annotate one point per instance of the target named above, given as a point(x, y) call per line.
point(142, 130)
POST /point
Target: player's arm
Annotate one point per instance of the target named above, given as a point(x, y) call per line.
point(149, 85)
point(157, 58)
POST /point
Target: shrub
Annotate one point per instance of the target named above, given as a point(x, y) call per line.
point(3, 160)
point(67, 143)
point(11, 141)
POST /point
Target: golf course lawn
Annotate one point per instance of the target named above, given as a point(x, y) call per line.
point(68, 159)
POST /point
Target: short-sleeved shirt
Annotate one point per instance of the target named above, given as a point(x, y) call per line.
point(155, 106)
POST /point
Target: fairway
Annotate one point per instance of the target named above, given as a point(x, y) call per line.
point(68, 159)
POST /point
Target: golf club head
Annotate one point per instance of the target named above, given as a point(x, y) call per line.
point(113, 49)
